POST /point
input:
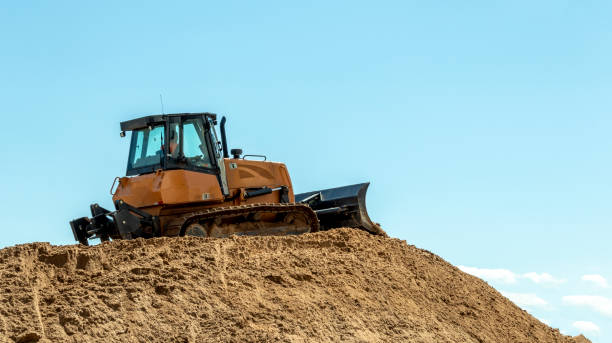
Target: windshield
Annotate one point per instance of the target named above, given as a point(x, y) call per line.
point(146, 149)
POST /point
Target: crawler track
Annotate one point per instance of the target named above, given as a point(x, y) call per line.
point(252, 219)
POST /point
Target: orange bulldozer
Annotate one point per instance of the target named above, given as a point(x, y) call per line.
point(181, 180)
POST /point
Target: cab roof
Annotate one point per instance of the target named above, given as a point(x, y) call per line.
point(142, 122)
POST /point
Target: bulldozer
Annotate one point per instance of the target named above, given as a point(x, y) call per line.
point(181, 180)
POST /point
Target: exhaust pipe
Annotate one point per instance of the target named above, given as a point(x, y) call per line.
point(224, 138)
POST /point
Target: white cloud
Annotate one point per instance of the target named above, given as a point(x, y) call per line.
point(508, 276)
point(503, 275)
point(597, 279)
point(600, 304)
point(525, 299)
point(543, 278)
point(586, 327)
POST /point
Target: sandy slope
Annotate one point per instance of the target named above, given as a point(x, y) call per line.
point(343, 285)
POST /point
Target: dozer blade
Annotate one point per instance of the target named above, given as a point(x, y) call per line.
point(341, 207)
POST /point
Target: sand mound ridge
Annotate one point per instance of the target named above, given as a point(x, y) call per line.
point(341, 285)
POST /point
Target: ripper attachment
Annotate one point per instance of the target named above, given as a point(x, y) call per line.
point(126, 222)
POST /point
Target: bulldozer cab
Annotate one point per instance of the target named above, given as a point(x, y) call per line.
point(173, 141)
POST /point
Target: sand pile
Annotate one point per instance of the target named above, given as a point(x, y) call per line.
point(343, 285)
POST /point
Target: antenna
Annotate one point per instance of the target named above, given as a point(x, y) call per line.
point(161, 100)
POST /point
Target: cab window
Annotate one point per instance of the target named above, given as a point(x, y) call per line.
point(147, 147)
point(195, 149)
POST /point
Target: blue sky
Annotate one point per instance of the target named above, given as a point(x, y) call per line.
point(483, 126)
